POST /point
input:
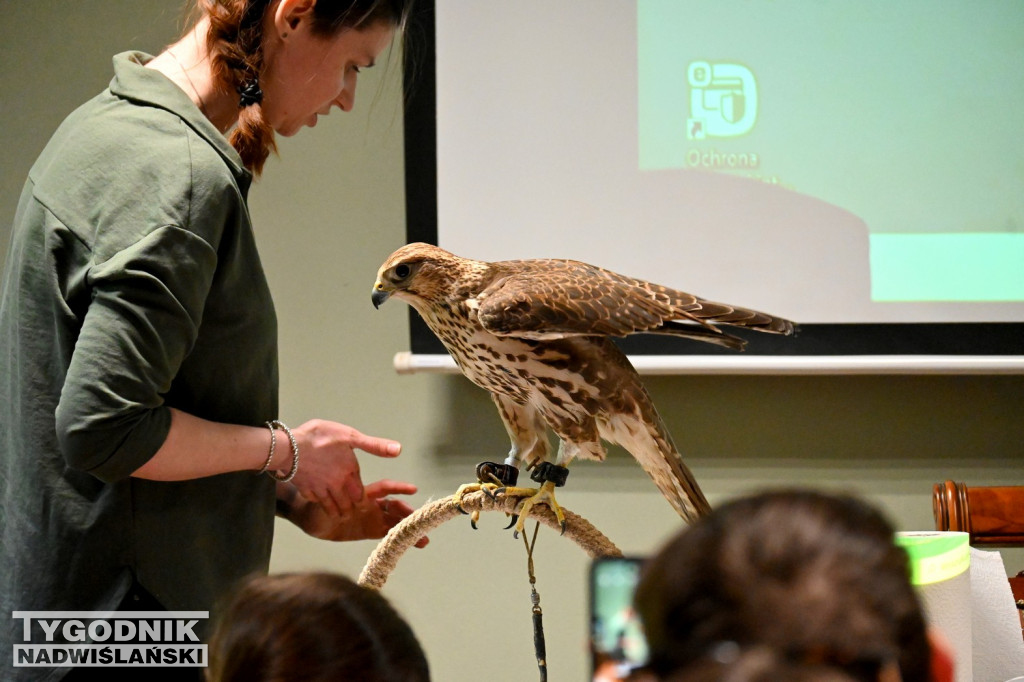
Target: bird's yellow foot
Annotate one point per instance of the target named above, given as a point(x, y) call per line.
point(549, 476)
point(487, 488)
point(543, 495)
point(491, 477)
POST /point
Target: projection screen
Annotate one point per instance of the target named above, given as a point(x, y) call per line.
point(855, 167)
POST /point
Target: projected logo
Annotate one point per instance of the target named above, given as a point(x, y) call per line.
point(723, 100)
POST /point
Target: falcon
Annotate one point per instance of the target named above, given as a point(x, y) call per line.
point(538, 335)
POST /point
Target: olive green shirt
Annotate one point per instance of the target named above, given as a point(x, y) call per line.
point(132, 285)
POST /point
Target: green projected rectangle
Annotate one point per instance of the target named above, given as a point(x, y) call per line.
point(917, 137)
point(947, 267)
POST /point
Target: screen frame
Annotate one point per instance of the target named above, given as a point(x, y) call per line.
point(968, 347)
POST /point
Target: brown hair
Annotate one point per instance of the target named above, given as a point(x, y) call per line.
point(313, 627)
point(794, 580)
point(235, 44)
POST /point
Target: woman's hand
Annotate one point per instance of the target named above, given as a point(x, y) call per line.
point(370, 518)
point(326, 498)
point(328, 472)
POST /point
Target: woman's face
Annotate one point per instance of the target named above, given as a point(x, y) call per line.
point(306, 75)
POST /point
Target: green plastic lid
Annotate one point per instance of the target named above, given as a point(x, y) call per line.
point(935, 556)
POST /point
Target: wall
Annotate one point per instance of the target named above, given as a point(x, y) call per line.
point(329, 210)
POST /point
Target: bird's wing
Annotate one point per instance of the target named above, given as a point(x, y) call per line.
point(568, 298)
point(544, 299)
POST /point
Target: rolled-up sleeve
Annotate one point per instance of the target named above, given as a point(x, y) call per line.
point(142, 321)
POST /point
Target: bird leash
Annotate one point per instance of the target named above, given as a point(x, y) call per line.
point(538, 615)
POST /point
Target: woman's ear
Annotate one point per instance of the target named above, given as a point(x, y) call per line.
point(289, 14)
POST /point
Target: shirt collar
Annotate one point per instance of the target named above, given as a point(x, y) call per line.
point(133, 81)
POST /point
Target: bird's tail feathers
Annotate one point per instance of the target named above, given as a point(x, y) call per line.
point(652, 447)
point(678, 485)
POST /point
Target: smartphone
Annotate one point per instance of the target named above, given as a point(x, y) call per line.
point(617, 643)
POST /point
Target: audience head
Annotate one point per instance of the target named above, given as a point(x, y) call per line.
point(313, 627)
point(793, 585)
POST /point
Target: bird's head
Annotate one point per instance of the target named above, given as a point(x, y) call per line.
point(416, 273)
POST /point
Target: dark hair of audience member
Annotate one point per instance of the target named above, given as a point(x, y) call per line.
point(793, 585)
point(313, 627)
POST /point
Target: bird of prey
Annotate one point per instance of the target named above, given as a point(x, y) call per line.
point(536, 334)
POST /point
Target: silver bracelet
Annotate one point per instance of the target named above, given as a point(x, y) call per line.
point(273, 446)
point(276, 424)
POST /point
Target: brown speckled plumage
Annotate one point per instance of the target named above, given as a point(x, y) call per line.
point(535, 334)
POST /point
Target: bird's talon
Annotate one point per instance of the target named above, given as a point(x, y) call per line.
point(525, 500)
point(461, 492)
point(544, 495)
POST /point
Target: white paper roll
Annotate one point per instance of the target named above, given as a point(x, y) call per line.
point(995, 625)
point(940, 563)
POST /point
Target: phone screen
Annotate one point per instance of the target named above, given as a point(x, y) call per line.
point(617, 642)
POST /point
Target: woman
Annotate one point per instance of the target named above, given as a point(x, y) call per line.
point(138, 381)
point(313, 626)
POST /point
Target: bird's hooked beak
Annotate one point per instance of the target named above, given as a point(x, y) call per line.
point(380, 294)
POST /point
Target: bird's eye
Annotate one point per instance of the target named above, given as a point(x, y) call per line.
point(402, 271)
